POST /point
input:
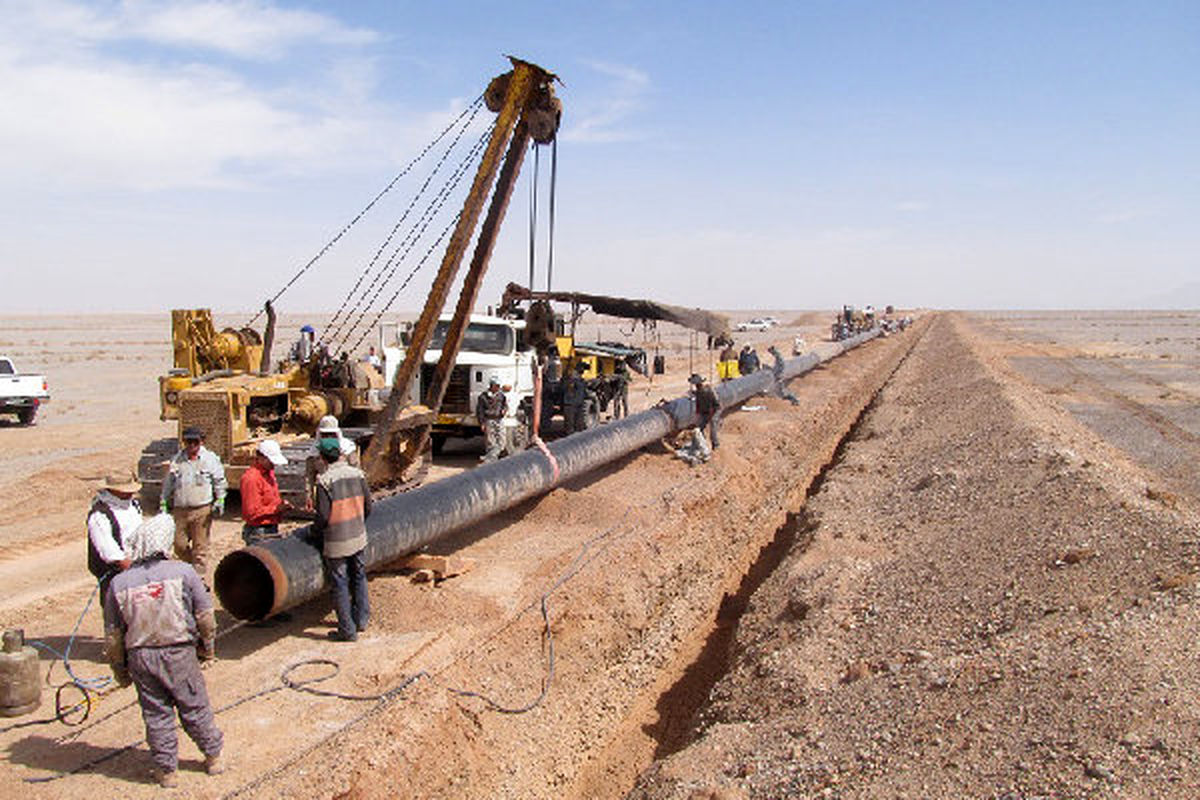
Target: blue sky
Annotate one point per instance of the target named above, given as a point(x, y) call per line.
point(726, 155)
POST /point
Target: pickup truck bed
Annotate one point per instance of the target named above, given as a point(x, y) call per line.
point(21, 394)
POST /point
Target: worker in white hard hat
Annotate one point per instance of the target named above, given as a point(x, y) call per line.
point(328, 428)
point(262, 505)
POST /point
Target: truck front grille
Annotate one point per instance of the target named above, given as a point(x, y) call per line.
point(458, 392)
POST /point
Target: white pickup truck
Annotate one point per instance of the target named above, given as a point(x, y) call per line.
point(21, 394)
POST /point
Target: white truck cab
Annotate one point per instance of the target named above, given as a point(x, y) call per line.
point(493, 347)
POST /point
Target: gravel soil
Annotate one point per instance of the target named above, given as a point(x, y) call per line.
point(987, 600)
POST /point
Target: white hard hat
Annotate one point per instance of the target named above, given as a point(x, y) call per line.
point(348, 447)
point(270, 449)
point(328, 424)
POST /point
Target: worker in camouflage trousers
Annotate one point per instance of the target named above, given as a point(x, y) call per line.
point(194, 490)
point(159, 627)
point(343, 505)
point(779, 388)
point(621, 393)
point(490, 410)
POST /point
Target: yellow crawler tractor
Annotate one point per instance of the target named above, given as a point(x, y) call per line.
point(223, 383)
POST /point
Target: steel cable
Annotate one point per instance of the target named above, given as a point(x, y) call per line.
point(334, 325)
point(409, 242)
point(473, 106)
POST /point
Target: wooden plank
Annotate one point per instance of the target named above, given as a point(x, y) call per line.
point(441, 567)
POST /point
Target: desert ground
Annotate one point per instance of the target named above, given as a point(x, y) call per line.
point(962, 566)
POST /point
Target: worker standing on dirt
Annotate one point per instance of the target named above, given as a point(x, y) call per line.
point(328, 428)
point(115, 513)
point(748, 360)
point(727, 363)
point(343, 505)
point(708, 407)
point(575, 396)
point(490, 410)
point(159, 627)
point(262, 505)
point(621, 390)
point(193, 491)
point(777, 370)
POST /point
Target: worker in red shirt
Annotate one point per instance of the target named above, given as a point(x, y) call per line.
point(262, 506)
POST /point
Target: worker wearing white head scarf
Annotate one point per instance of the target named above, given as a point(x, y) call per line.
point(159, 624)
point(154, 537)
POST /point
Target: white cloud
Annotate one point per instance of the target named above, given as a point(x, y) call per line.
point(248, 29)
point(605, 117)
point(83, 111)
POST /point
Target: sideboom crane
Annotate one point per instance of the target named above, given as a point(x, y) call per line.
point(526, 109)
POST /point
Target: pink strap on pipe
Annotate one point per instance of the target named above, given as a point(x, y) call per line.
point(537, 440)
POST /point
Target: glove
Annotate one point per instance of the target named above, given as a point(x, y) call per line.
point(162, 506)
point(219, 507)
point(121, 676)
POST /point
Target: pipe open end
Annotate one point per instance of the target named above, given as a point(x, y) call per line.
point(245, 585)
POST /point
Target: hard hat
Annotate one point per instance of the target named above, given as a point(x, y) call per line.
point(696, 379)
point(307, 329)
point(328, 424)
point(270, 449)
point(192, 432)
point(348, 447)
point(330, 447)
point(493, 381)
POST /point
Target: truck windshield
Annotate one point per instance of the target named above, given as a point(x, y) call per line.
point(6, 367)
point(481, 337)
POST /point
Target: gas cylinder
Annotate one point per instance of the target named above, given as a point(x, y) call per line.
point(20, 690)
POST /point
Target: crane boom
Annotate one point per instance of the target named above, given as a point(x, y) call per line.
point(525, 111)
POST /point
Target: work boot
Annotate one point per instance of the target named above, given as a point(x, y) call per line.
point(214, 764)
point(338, 636)
point(167, 779)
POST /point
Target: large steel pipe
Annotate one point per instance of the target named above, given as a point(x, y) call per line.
point(265, 579)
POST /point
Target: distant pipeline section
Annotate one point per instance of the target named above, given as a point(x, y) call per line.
point(264, 579)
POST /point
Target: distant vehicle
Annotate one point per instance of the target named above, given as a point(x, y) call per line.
point(755, 324)
point(772, 321)
point(21, 394)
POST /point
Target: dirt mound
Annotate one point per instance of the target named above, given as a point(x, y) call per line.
point(989, 606)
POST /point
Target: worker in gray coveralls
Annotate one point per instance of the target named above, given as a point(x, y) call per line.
point(490, 410)
point(159, 627)
point(777, 370)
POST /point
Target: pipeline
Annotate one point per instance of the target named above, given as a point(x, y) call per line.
point(270, 577)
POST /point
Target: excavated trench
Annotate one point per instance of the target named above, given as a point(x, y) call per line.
point(642, 632)
point(678, 707)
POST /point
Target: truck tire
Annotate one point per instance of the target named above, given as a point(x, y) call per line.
point(437, 441)
point(589, 415)
point(27, 415)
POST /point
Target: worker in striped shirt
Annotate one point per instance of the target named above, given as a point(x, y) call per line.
point(343, 504)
